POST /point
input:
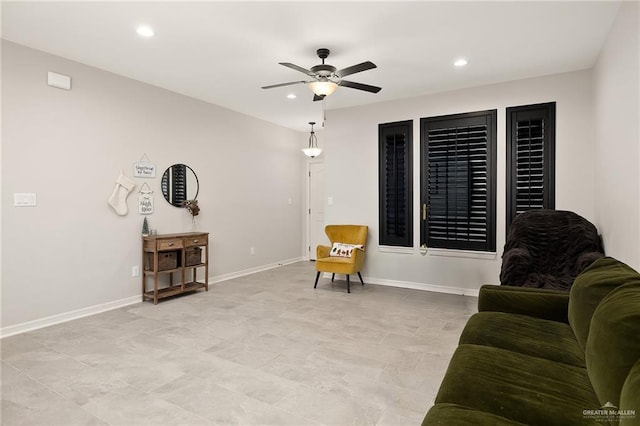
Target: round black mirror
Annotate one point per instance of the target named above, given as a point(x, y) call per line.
point(179, 184)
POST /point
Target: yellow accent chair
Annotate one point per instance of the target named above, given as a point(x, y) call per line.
point(344, 234)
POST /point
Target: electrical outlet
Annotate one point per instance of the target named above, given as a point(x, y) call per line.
point(135, 271)
point(252, 251)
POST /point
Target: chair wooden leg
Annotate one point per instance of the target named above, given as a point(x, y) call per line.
point(332, 277)
point(348, 285)
point(317, 276)
point(360, 276)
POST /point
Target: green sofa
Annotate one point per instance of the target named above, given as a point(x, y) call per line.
point(545, 357)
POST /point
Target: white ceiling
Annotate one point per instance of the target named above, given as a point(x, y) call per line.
point(223, 52)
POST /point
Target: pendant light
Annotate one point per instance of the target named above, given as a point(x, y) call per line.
point(312, 150)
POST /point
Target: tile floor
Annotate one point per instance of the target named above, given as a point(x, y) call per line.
point(265, 349)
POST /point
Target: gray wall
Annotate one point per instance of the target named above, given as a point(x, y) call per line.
point(617, 112)
point(597, 157)
point(352, 156)
point(72, 252)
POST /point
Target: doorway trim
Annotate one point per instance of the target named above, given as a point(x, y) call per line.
point(307, 212)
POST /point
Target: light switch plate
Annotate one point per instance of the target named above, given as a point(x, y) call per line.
point(24, 199)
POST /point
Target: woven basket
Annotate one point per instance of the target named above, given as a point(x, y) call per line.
point(166, 260)
point(193, 256)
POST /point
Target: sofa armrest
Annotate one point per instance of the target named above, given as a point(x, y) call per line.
point(534, 302)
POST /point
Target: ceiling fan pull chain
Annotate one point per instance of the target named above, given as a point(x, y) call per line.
point(324, 110)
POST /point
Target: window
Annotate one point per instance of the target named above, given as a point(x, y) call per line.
point(458, 182)
point(395, 183)
point(530, 158)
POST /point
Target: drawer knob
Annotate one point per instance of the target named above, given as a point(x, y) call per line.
point(195, 241)
point(170, 244)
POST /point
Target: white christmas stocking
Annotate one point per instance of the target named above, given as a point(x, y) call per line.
point(118, 199)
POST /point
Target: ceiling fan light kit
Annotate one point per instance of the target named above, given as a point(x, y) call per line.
point(326, 78)
point(323, 88)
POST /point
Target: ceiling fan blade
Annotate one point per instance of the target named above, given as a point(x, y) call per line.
point(355, 68)
point(318, 97)
point(360, 86)
point(297, 68)
point(283, 84)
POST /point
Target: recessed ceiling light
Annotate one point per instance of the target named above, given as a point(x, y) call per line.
point(145, 31)
point(460, 62)
point(291, 96)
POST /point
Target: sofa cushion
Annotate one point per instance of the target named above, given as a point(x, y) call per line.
point(523, 334)
point(453, 414)
point(613, 345)
point(630, 397)
point(590, 287)
point(518, 387)
point(534, 302)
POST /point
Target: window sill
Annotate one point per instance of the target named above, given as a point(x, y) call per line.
point(396, 249)
point(469, 254)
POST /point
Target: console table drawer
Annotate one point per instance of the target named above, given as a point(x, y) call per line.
point(200, 240)
point(170, 244)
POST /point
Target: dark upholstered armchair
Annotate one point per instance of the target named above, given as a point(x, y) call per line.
point(548, 249)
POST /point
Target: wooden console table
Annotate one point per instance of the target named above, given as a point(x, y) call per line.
point(174, 253)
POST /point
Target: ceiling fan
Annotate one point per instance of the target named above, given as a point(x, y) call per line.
point(326, 78)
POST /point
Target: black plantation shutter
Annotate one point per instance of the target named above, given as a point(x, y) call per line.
point(530, 159)
point(179, 184)
point(395, 181)
point(458, 181)
point(174, 183)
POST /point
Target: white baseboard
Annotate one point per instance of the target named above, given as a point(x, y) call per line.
point(96, 309)
point(92, 310)
point(414, 285)
point(66, 316)
point(244, 272)
point(423, 286)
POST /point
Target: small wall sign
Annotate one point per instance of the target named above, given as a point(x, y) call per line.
point(145, 199)
point(144, 168)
